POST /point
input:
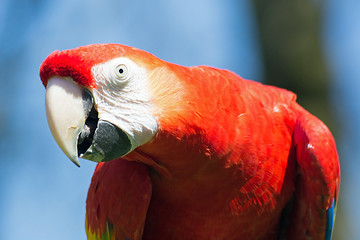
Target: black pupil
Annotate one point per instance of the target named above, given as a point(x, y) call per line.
point(121, 71)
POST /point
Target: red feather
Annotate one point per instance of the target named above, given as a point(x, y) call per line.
point(118, 199)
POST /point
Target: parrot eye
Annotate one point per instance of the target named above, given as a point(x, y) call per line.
point(121, 72)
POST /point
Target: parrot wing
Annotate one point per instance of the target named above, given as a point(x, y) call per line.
point(317, 183)
point(117, 202)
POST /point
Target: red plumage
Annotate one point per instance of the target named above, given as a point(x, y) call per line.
point(229, 156)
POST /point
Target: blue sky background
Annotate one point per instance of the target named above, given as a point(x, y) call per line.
point(42, 194)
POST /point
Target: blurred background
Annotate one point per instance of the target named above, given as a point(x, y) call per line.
point(311, 47)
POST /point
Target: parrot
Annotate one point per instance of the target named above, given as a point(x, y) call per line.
point(189, 152)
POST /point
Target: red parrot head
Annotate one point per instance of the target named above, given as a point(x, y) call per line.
point(100, 99)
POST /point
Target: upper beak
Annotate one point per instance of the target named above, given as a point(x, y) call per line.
point(65, 113)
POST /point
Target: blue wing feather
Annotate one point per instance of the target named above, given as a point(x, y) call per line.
point(330, 213)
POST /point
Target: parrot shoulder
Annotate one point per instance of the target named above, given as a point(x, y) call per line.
point(118, 199)
point(318, 178)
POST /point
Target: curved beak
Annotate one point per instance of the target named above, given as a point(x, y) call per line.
point(74, 124)
point(65, 113)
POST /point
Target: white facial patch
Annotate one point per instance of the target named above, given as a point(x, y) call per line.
point(122, 97)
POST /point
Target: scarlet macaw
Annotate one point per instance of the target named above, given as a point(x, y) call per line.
point(189, 152)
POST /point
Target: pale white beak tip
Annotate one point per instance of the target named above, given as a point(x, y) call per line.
point(75, 160)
